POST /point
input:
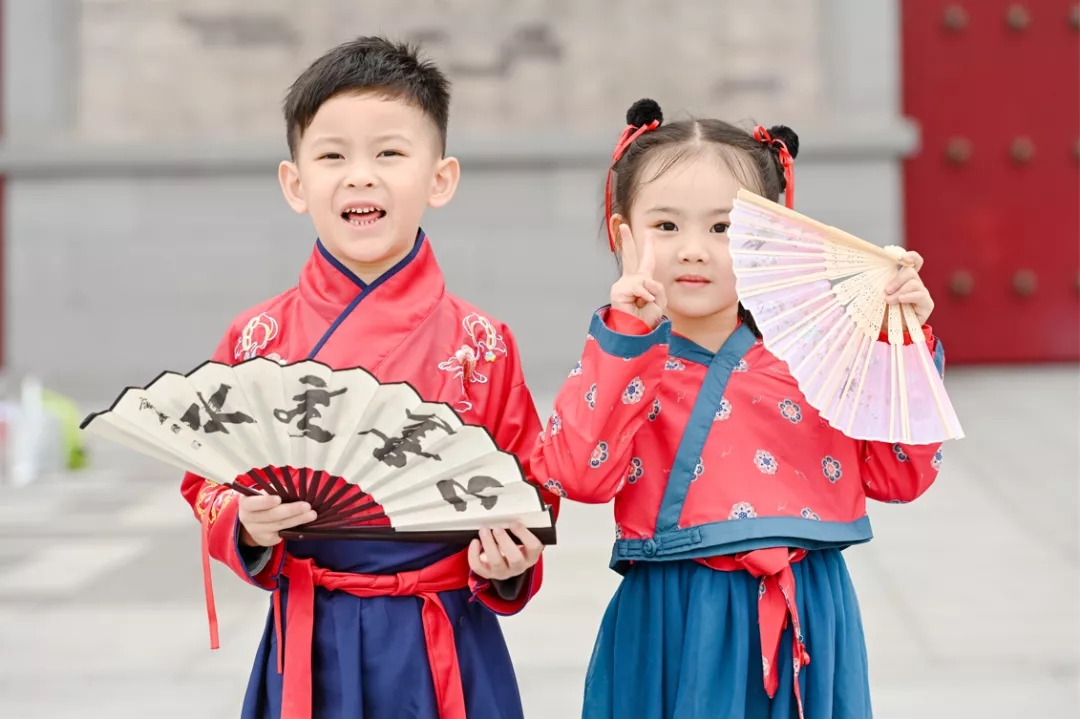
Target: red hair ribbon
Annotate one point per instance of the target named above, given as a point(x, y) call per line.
point(627, 138)
point(786, 161)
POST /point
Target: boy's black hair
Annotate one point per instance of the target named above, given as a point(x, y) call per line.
point(368, 65)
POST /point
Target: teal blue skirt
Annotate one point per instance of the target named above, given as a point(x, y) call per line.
point(681, 641)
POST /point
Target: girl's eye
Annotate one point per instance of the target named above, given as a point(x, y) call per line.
point(331, 156)
point(720, 228)
point(667, 227)
point(389, 153)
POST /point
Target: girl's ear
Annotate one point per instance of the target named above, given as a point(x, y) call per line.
point(613, 228)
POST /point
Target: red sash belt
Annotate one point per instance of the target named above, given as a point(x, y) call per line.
point(776, 601)
point(446, 575)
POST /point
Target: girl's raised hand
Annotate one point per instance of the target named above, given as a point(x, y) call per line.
point(908, 288)
point(636, 292)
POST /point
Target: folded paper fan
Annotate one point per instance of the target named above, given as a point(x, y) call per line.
point(817, 295)
point(373, 460)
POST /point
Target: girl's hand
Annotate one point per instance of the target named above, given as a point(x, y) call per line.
point(636, 292)
point(495, 555)
point(908, 288)
point(262, 516)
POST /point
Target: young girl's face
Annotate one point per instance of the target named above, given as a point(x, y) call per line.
point(686, 211)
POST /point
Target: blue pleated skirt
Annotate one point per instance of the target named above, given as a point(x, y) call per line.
point(681, 641)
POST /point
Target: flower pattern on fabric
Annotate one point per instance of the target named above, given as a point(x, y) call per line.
point(618, 531)
point(599, 455)
point(555, 487)
point(723, 411)
point(791, 411)
point(741, 367)
point(590, 397)
point(742, 510)
point(634, 391)
point(765, 665)
point(699, 469)
point(765, 462)
point(556, 423)
point(636, 469)
point(936, 461)
point(255, 336)
point(484, 345)
point(655, 410)
point(576, 371)
point(832, 469)
point(808, 513)
point(674, 364)
point(899, 452)
point(211, 500)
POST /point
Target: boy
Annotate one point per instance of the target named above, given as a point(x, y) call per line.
point(376, 630)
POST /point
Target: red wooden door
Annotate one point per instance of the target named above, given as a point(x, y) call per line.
point(992, 199)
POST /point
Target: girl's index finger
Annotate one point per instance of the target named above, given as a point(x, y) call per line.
point(647, 263)
point(628, 250)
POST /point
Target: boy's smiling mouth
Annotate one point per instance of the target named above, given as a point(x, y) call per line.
point(362, 215)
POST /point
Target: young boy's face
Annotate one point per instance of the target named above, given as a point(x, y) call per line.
point(365, 169)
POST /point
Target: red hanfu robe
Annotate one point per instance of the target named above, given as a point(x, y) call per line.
point(371, 628)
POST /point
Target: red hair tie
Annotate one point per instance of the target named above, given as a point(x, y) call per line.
point(786, 161)
point(627, 138)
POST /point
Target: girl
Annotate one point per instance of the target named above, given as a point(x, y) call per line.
point(733, 499)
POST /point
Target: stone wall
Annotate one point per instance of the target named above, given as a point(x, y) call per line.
point(191, 69)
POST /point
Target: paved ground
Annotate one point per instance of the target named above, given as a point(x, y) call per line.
point(969, 595)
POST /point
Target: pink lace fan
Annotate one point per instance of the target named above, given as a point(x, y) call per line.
point(818, 297)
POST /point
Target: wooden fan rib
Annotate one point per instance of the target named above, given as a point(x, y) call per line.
point(814, 354)
point(735, 237)
point(803, 326)
point(827, 389)
point(833, 233)
point(763, 323)
point(776, 285)
point(857, 396)
point(833, 267)
point(822, 239)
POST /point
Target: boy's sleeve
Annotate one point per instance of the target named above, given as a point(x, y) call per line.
point(217, 509)
point(584, 453)
point(900, 473)
point(512, 420)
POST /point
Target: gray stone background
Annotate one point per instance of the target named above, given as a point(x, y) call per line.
point(142, 212)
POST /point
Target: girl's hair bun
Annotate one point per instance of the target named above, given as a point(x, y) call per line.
point(643, 112)
point(788, 137)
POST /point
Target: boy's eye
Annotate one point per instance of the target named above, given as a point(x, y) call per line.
point(667, 227)
point(331, 156)
point(720, 228)
point(389, 153)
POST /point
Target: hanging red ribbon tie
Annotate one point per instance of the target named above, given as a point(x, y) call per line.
point(786, 161)
point(627, 138)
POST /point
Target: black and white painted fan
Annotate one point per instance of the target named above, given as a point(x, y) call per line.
point(374, 460)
